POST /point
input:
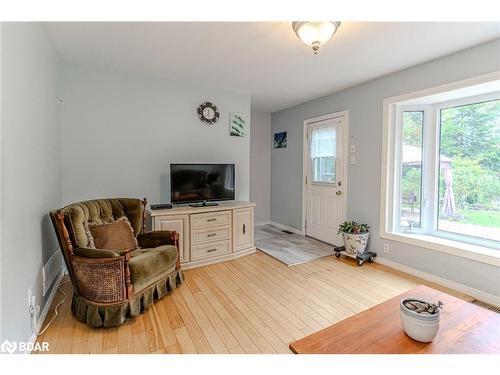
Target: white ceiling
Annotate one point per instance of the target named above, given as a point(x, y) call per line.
point(264, 59)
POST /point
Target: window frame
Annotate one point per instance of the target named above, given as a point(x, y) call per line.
point(401, 109)
point(337, 161)
point(428, 236)
point(471, 100)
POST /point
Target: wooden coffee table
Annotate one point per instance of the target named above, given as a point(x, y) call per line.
point(464, 328)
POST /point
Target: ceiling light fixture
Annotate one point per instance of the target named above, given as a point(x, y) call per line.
point(315, 34)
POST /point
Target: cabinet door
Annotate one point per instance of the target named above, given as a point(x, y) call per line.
point(179, 223)
point(242, 229)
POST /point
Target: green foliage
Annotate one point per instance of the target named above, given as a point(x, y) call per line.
point(473, 132)
point(473, 184)
point(470, 137)
point(353, 227)
point(481, 217)
point(410, 183)
point(412, 129)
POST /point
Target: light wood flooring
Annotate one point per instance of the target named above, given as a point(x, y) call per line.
point(253, 304)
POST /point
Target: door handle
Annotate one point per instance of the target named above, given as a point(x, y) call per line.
point(338, 192)
point(244, 228)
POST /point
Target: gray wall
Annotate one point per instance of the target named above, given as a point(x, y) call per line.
point(364, 103)
point(260, 165)
point(120, 133)
point(31, 169)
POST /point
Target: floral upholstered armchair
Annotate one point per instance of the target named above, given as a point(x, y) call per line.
point(111, 285)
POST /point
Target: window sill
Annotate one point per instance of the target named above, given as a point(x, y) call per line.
point(478, 253)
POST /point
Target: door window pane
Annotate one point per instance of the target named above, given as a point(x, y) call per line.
point(323, 152)
point(469, 170)
point(411, 170)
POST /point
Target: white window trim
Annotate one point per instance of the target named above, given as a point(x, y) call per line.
point(396, 218)
point(388, 182)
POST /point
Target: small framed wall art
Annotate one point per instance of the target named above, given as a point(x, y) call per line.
point(237, 125)
point(280, 140)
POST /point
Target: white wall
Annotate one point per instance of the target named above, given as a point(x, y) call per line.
point(120, 133)
point(30, 169)
point(364, 103)
point(260, 166)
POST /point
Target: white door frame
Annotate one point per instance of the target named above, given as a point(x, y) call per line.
point(305, 161)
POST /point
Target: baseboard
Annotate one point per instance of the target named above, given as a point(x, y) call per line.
point(286, 227)
point(46, 308)
point(261, 223)
point(476, 293)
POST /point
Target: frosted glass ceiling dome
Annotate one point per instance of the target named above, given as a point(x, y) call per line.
point(315, 33)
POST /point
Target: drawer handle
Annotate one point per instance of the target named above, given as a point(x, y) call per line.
point(209, 251)
point(211, 234)
point(211, 219)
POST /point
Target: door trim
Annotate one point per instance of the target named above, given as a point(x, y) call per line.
point(345, 156)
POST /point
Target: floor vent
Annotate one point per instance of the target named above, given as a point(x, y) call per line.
point(486, 305)
point(287, 231)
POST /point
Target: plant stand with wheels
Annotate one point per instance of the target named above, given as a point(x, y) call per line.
point(360, 258)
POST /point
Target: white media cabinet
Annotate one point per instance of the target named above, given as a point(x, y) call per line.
point(209, 234)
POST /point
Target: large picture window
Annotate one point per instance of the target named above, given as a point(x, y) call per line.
point(469, 180)
point(445, 168)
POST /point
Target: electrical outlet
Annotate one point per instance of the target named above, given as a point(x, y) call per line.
point(386, 248)
point(30, 299)
point(33, 308)
point(34, 317)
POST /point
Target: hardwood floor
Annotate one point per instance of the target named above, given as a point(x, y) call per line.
point(253, 304)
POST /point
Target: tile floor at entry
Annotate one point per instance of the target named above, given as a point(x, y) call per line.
point(290, 249)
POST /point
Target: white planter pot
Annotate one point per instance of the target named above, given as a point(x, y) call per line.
point(355, 243)
point(419, 327)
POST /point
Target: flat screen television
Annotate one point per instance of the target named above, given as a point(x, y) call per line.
point(191, 183)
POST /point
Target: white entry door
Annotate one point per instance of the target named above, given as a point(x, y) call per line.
point(326, 168)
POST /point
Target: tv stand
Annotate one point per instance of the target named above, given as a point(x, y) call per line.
point(204, 204)
point(209, 234)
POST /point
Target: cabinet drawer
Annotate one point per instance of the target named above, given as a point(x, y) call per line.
point(210, 219)
point(199, 236)
point(210, 250)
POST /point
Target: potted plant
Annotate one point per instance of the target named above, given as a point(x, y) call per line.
point(420, 319)
point(355, 236)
